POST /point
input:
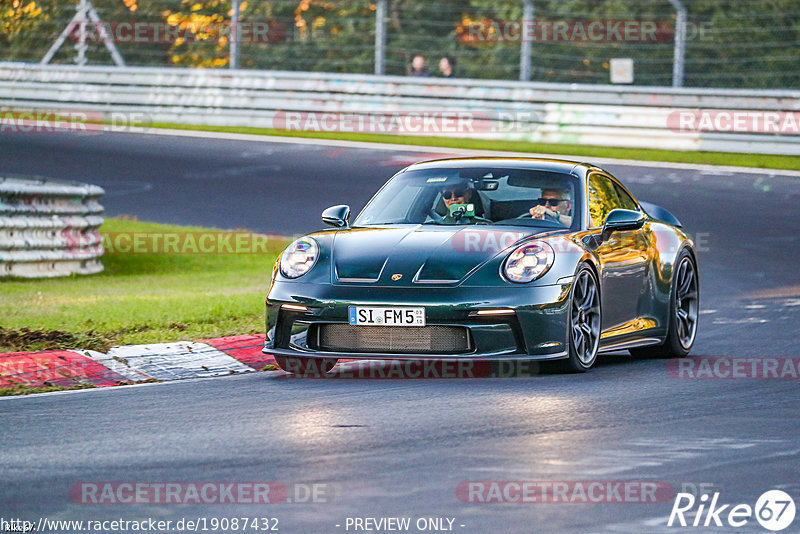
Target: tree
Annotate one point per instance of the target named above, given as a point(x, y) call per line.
point(729, 44)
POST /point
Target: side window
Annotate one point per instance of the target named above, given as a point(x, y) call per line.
point(602, 198)
point(625, 200)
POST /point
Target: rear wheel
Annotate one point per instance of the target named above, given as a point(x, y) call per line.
point(310, 367)
point(683, 312)
point(584, 323)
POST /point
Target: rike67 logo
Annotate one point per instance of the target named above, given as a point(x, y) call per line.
point(774, 510)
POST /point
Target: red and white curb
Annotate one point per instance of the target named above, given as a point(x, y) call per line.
point(135, 363)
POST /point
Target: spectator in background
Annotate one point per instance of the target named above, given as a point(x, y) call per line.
point(447, 66)
point(418, 66)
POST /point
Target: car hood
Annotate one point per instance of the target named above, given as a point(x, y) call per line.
point(420, 254)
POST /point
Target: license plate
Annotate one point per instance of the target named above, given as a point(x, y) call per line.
point(361, 316)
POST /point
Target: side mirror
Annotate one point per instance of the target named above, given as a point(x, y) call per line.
point(660, 214)
point(623, 220)
point(337, 216)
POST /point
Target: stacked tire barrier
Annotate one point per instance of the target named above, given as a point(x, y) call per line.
point(49, 228)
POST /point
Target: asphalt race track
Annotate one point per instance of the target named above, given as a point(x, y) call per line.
point(400, 448)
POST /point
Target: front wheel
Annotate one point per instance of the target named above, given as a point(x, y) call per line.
point(584, 323)
point(683, 312)
point(310, 367)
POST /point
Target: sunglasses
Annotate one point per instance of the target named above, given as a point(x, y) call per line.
point(552, 201)
point(447, 195)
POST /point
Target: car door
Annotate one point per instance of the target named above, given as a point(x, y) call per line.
point(623, 256)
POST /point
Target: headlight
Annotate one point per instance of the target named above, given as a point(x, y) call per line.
point(528, 262)
point(299, 257)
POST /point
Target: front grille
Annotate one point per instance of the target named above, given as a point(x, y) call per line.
point(390, 339)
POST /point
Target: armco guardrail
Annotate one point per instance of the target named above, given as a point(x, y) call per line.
point(539, 112)
point(49, 228)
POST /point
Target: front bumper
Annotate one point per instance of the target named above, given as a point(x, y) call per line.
point(537, 330)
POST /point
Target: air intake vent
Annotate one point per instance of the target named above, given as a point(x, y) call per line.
point(390, 340)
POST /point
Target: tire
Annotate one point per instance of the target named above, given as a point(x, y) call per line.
point(584, 323)
point(310, 367)
point(684, 306)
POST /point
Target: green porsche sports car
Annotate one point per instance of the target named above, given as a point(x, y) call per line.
point(487, 258)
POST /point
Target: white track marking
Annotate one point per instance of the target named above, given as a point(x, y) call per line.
point(174, 361)
point(117, 365)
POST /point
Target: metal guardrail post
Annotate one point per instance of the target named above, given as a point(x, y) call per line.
point(81, 46)
point(680, 44)
point(527, 41)
point(234, 36)
point(380, 37)
point(49, 228)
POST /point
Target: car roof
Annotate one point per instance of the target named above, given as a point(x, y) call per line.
point(541, 164)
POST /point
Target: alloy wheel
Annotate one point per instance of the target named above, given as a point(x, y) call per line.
point(686, 302)
point(586, 318)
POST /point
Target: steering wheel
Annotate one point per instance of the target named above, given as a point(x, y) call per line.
point(549, 221)
point(434, 215)
point(547, 217)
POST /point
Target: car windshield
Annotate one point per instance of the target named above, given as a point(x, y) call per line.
point(479, 196)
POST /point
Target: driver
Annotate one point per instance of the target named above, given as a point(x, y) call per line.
point(461, 194)
point(554, 205)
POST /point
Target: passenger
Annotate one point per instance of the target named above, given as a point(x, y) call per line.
point(462, 194)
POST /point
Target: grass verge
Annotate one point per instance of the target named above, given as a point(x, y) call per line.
point(139, 298)
point(766, 161)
